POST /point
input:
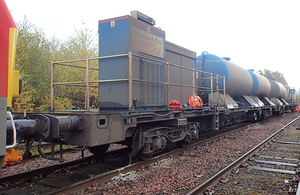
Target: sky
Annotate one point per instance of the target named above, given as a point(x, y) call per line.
point(255, 34)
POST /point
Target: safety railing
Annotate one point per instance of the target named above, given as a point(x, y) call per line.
point(87, 83)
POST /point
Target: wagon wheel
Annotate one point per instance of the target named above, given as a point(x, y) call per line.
point(2, 160)
point(99, 151)
point(183, 143)
point(144, 157)
point(140, 155)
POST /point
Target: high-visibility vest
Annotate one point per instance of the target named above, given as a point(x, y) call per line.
point(198, 101)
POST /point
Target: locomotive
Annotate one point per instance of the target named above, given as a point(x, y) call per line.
point(151, 93)
point(9, 78)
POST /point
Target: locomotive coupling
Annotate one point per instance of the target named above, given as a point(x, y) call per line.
point(42, 126)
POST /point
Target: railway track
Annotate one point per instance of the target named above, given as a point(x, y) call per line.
point(41, 175)
point(91, 185)
point(125, 173)
point(274, 161)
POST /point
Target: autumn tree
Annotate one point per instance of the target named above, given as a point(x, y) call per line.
point(81, 45)
point(33, 55)
point(277, 76)
point(33, 58)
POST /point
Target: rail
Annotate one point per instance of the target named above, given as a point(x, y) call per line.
point(87, 83)
point(215, 178)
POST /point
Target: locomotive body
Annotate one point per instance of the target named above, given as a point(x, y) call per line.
point(139, 75)
point(9, 78)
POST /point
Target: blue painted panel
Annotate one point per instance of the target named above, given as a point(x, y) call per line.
point(255, 86)
point(213, 64)
point(120, 36)
point(113, 36)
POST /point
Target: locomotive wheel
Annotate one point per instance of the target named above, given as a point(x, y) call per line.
point(99, 150)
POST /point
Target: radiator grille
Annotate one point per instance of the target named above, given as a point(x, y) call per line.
point(152, 94)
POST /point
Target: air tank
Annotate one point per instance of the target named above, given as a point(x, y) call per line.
point(238, 81)
point(277, 90)
point(261, 85)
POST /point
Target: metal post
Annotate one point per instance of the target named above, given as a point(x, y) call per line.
point(211, 88)
point(194, 88)
point(168, 83)
point(217, 88)
point(224, 90)
point(218, 104)
point(130, 81)
point(87, 85)
point(52, 87)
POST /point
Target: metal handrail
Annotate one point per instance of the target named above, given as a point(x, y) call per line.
point(86, 83)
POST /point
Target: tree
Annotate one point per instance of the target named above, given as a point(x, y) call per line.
point(81, 45)
point(33, 58)
point(277, 76)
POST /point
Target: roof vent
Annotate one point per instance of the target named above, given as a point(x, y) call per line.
point(140, 16)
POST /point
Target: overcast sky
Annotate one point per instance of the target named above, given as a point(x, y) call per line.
point(255, 34)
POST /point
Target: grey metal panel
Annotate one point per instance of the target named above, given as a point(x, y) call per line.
point(230, 103)
point(151, 94)
point(269, 101)
point(258, 101)
point(239, 81)
point(251, 101)
point(276, 101)
point(277, 90)
point(3, 108)
point(110, 130)
point(185, 58)
point(180, 50)
point(264, 87)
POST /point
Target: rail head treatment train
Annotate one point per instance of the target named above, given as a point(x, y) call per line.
point(151, 93)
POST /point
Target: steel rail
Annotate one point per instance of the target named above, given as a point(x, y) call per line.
point(20, 177)
point(235, 164)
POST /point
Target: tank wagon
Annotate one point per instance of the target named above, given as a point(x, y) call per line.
point(140, 75)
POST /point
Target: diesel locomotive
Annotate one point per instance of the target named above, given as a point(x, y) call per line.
point(9, 78)
point(151, 93)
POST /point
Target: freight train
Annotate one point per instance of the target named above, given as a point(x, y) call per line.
point(151, 93)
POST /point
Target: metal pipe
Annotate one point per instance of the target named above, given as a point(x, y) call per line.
point(8, 114)
point(52, 86)
point(168, 82)
point(211, 87)
point(75, 66)
point(224, 91)
point(129, 81)
point(98, 58)
point(87, 85)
